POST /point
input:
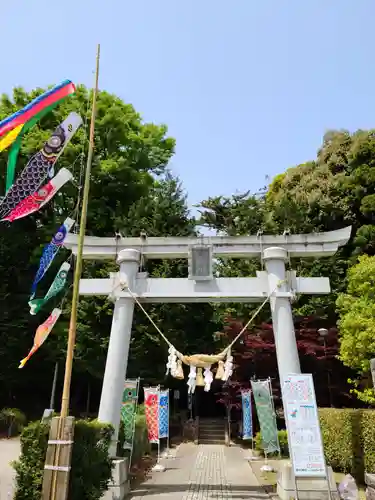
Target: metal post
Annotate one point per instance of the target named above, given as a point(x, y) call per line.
point(323, 332)
point(282, 318)
point(169, 422)
point(88, 400)
point(118, 349)
point(372, 366)
point(53, 390)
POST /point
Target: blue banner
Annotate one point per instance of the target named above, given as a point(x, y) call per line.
point(163, 414)
point(247, 418)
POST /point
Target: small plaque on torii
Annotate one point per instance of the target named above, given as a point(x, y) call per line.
point(200, 263)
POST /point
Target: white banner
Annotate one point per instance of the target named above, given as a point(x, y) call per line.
point(302, 419)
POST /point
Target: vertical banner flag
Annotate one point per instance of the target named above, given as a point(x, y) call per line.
point(152, 413)
point(247, 418)
point(266, 415)
point(128, 410)
point(304, 435)
point(163, 414)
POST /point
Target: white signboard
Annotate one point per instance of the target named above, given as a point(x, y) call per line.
point(304, 436)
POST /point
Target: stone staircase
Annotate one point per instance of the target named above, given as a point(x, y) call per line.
point(211, 431)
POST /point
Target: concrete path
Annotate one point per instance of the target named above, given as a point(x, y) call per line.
point(203, 472)
point(9, 450)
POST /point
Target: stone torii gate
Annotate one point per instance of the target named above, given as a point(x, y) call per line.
point(200, 286)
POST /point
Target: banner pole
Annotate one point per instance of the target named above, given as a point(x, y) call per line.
point(158, 467)
point(252, 423)
point(134, 418)
point(274, 414)
point(168, 438)
point(289, 441)
point(158, 425)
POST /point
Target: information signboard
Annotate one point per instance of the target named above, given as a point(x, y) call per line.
point(304, 436)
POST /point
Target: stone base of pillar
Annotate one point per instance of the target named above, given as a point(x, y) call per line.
point(119, 487)
point(370, 483)
point(309, 488)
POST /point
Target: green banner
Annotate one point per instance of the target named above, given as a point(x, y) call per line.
point(128, 410)
point(266, 415)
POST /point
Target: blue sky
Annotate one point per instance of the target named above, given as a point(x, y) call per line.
point(247, 87)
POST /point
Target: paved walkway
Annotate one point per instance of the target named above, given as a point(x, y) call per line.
point(9, 451)
point(203, 472)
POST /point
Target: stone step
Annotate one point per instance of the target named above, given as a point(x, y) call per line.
point(211, 441)
point(211, 438)
point(211, 426)
point(211, 431)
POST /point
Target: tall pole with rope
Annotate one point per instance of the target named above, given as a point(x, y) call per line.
point(79, 258)
point(60, 444)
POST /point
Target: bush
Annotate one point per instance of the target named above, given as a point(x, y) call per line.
point(367, 429)
point(141, 409)
point(141, 446)
point(283, 441)
point(12, 421)
point(29, 467)
point(91, 466)
point(341, 435)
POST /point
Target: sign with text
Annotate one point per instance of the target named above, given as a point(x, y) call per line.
point(304, 436)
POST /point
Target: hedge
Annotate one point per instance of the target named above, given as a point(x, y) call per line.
point(12, 421)
point(91, 466)
point(283, 442)
point(341, 433)
point(349, 440)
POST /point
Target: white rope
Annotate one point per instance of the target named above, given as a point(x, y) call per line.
point(148, 316)
point(231, 344)
point(252, 317)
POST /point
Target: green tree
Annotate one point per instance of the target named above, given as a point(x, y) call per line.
point(237, 215)
point(356, 324)
point(128, 155)
point(331, 192)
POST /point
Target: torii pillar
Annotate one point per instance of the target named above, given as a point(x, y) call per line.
point(281, 310)
point(275, 251)
point(118, 348)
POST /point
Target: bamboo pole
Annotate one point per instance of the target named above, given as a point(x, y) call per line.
point(54, 488)
point(78, 266)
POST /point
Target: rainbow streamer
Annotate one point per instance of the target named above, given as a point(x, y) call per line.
point(15, 126)
point(41, 334)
